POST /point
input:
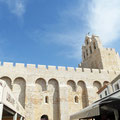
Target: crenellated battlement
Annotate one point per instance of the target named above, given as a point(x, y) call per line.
point(34, 67)
point(53, 87)
point(110, 49)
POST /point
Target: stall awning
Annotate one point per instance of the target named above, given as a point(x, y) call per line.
point(7, 99)
point(94, 109)
point(88, 112)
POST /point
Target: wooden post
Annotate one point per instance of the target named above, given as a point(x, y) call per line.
point(15, 116)
point(116, 113)
point(21, 118)
point(1, 111)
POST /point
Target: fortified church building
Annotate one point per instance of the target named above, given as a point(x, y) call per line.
point(60, 91)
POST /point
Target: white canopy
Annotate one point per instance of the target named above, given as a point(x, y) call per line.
point(7, 99)
point(94, 109)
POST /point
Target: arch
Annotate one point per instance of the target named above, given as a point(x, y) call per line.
point(82, 84)
point(19, 88)
point(97, 84)
point(53, 88)
point(94, 45)
point(84, 55)
point(105, 82)
point(44, 117)
point(53, 84)
point(72, 85)
point(87, 41)
point(84, 93)
point(41, 84)
point(90, 49)
point(8, 81)
point(76, 99)
point(87, 52)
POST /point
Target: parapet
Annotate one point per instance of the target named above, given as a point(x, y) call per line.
point(33, 67)
point(110, 49)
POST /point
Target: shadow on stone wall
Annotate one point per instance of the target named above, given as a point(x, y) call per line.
point(84, 96)
point(56, 103)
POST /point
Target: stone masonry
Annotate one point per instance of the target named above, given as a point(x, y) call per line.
point(60, 91)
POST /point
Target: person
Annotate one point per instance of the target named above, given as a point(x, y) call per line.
point(44, 117)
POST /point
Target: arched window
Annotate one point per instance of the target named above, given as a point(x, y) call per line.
point(90, 50)
point(105, 93)
point(100, 96)
point(72, 85)
point(117, 87)
point(83, 93)
point(105, 83)
point(84, 55)
point(8, 81)
point(44, 117)
point(41, 85)
point(46, 99)
point(94, 45)
point(97, 84)
point(87, 42)
point(19, 90)
point(53, 88)
point(86, 52)
point(76, 99)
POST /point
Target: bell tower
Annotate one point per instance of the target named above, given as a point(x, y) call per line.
point(95, 56)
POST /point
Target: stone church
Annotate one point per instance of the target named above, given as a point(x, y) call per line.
point(59, 91)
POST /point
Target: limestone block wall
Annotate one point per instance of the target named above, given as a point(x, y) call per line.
point(93, 60)
point(94, 55)
point(55, 91)
point(110, 59)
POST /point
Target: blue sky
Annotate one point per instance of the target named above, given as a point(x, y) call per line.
point(51, 32)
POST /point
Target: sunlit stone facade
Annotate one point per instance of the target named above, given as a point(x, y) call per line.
point(60, 91)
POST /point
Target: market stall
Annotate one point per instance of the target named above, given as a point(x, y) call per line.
point(10, 108)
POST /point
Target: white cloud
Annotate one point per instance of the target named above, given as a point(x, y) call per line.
point(16, 7)
point(104, 19)
point(67, 32)
point(101, 17)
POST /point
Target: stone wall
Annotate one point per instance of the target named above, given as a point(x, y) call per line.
point(55, 91)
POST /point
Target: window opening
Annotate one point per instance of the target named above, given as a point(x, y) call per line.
point(76, 99)
point(94, 45)
point(46, 99)
point(117, 87)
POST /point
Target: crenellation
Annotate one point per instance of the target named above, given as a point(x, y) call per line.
point(7, 64)
point(91, 70)
point(61, 68)
point(20, 65)
point(95, 71)
point(42, 67)
point(112, 72)
point(31, 66)
point(102, 71)
point(57, 68)
point(50, 68)
point(71, 69)
point(117, 72)
point(110, 49)
point(78, 70)
point(87, 70)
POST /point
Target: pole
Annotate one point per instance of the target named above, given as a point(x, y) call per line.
point(1, 111)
